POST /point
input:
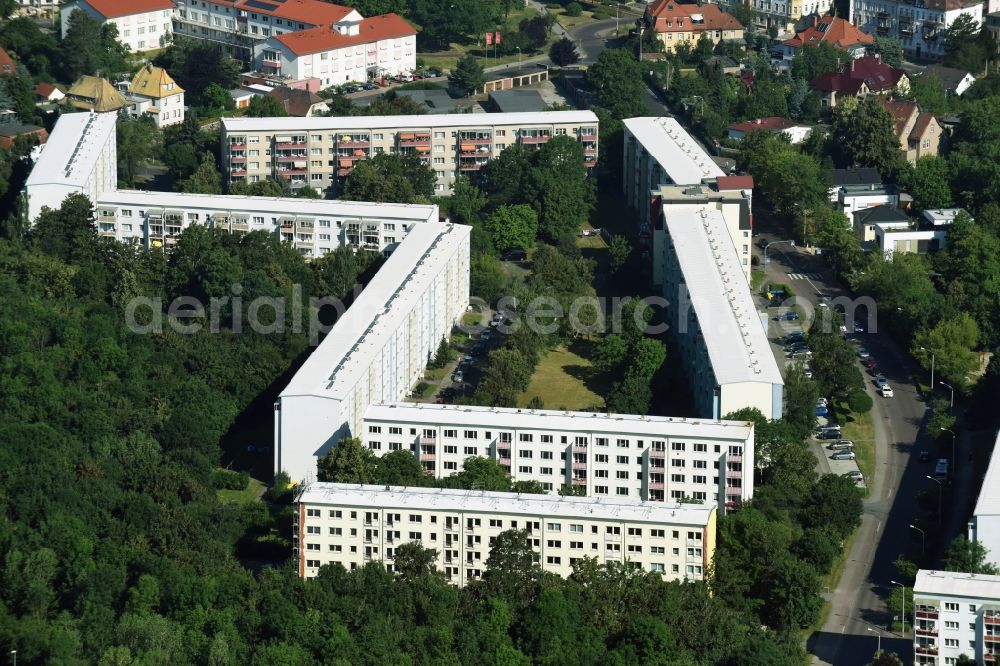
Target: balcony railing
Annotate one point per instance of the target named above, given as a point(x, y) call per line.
point(267, 62)
point(734, 458)
point(929, 632)
point(924, 649)
point(427, 439)
point(237, 145)
point(415, 141)
point(289, 145)
point(579, 448)
point(538, 138)
point(579, 465)
point(657, 453)
point(477, 141)
point(656, 485)
point(353, 143)
point(428, 457)
point(928, 615)
point(734, 474)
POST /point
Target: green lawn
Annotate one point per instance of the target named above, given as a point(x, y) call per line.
point(251, 493)
point(860, 430)
point(446, 60)
point(565, 379)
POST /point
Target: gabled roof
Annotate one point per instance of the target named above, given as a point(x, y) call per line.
point(772, 123)
point(152, 81)
point(326, 38)
point(45, 89)
point(867, 71)
point(7, 65)
point(116, 8)
point(296, 101)
point(96, 94)
point(833, 30)
point(902, 111)
point(672, 16)
point(948, 76)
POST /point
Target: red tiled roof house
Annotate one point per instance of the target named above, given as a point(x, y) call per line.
point(833, 30)
point(859, 78)
point(919, 132)
point(676, 23)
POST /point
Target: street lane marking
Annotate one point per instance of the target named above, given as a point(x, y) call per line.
point(805, 276)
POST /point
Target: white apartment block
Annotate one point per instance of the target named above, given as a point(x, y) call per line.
point(314, 227)
point(295, 40)
point(780, 14)
point(955, 614)
point(353, 49)
point(919, 26)
point(616, 456)
point(143, 25)
point(318, 152)
point(353, 525)
point(984, 525)
point(713, 318)
point(378, 348)
point(80, 157)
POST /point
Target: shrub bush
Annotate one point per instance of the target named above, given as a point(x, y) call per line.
point(227, 479)
point(574, 9)
point(600, 15)
point(860, 402)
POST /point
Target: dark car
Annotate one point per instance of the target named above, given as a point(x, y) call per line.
point(789, 316)
point(925, 456)
point(763, 243)
point(514, 255)
point(368, 86)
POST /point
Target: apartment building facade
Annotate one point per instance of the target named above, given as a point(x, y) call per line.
point(143, 25)
point(918, 24)
point(377, 350)
point(80, 156)
point(319, 152)
point(314, 227)
point(613, 456)
point(955, 614)
point(353, 525)
point(782, 15)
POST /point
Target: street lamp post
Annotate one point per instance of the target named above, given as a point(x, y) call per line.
point(952, 432)
point(768, 247)
point(933, 358)
point(952, 389)
point(878, 634)
point(923, 540)
point(940, 491)
point(13, 657)
point(519, 64)
point(903, 590)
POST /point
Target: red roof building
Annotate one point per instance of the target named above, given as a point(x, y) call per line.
point(117, 8)
point(795, 132)
point(859, 78)
point(328, 38)
point(919, 132)
point(7, 65)
point(143, 25)
point(835, 31)
point(10, 132)
point(676, 23)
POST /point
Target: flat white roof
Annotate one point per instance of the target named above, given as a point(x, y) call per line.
point(988, 503)
point(291, 124)
point(736, 341)
point(956, 584)
point(479, 501)
point(942, 215)
point(270, 205)
point(547, 419)
point(381, 308)
point(70, 154)
point(679, 155)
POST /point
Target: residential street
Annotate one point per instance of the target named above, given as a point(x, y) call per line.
point(857, 606)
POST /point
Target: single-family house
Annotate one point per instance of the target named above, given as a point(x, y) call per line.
point(918, 132)
point(859, 188)
point(860, 77)
point(46, 92)
point(153, 91)
point(9, 133)
point(92, 93)
point(955, 81)
point(866, 219)
point(839, 33)
point(299, 102)
point(795, 132)
point(677, 23)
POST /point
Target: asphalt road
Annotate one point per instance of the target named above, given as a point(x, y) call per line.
point(858, 611)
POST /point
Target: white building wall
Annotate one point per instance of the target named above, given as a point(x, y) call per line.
point(910, 22)
point(955, 614)
point(144, 31)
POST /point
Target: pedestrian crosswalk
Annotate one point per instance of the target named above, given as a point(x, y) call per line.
point(805, 276)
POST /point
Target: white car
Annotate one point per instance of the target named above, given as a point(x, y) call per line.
point(458, 377)
point(886, 391)
point(863, 352)
point(822, 402)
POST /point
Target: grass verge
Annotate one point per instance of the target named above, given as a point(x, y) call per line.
point(859, 429)
point(829, 582)
point(565, 379)
point(251, 493)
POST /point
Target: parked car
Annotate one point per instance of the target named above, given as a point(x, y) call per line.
point(458, 377)
point(763, 243)
point(886, 391)
point(925, 456)
point(791, 315)
point(863, 352)
point(843, 455)
point(855, 474)
point(800, 354)
point(514, 255)
point(821, 410)
point(841, 445)
point(881, 381)
point(859, 327)
point(941, 469)
point(822, 402)
point(829, 432)
point(869, 362)
point(808, 372)
point(794, 336)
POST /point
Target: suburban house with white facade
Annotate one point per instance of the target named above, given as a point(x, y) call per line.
point(143, 25)
point(155, 93)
